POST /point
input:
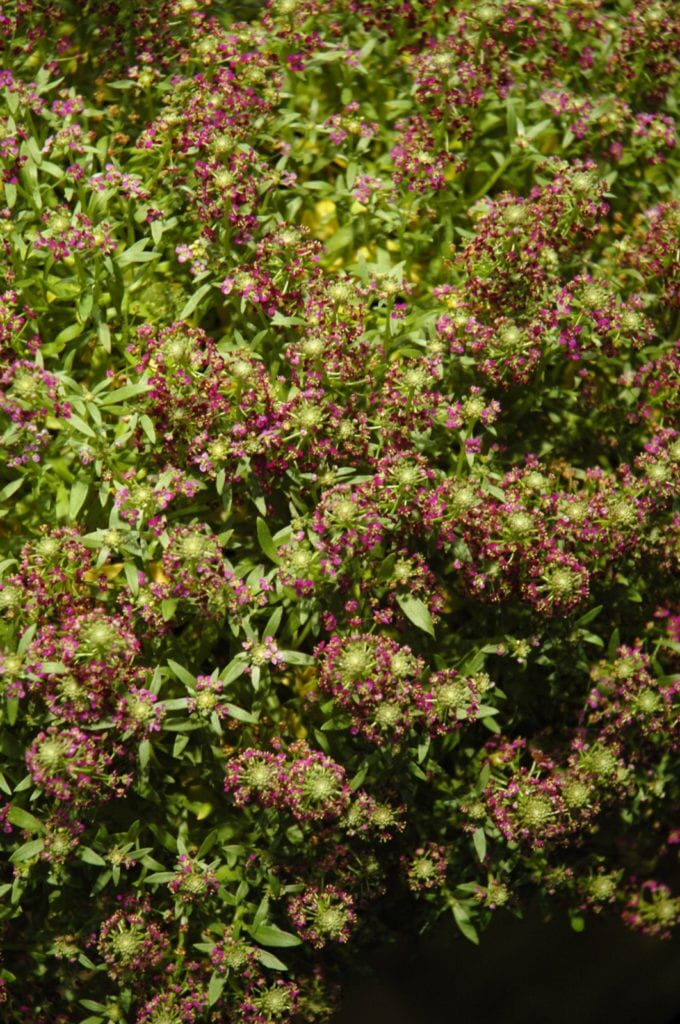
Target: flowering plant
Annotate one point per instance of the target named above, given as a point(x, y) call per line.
point(340, 463)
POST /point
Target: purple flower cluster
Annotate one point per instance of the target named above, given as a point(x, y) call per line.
point(306, 783)
point(322, 915)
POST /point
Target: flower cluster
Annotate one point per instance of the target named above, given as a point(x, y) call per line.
point(305, 782)
point(130, 941)
point(377, 681)
point(339, 468)
point(323, 915)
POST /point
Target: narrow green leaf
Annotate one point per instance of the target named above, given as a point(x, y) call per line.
point(479, 840)
point(90, 857)
point(104, 335)
point(132, 576)
point(69, 333)
point(465, 925)
point(296, 658)
point(182, 674)
point(148, 428)
point(342, 238)
point(27, 851)
point(193, 302)
point(22, 819)
point(271, 935)
point(80, 425)
point(240, 714)
point(266, 542)
point(589, 616)
point(417, 612)
point(136, 254)
point(10, 488)
point(122, 394)
point(77, 498)
point(215, 988)
point(144, 754)
point(269, 960)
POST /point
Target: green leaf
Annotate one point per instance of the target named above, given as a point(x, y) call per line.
point(10, 488)
point(479, 841)
point(22, 819)
point(81, 425)
point(266, 542)
point(90, 857)
point(12, 706)
point(27, 851)
point(68, 334)
point(464, 924)
point(614, 642)
point(269, 960)
point(179, 745)
point(77, 498)
point(273, 622)
point(215, 988)
point(27, 638)
point(296, 658)
point(104, 335)
point(240, 714)
point(122, 394)
point(193, 302)
point(144, 754)
point(417, 612)
point(358, 779)
point(132, 576)
point(270, 935)
point(148, 428)
point(182, 674)
point(342, 238)
point(589, 616)
point(136, 254)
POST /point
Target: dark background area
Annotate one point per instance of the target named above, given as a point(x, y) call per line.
point(523, 972)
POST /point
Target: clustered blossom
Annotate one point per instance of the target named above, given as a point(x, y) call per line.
point(627, 702)
point(339, 468)
point(427, 868)
point(75, 766)
point(377, 681)
point(322, 916)
point(304, 782)
point(652, 910)
point(454, 699)
point(65, 235)
point(28, 396)
point(130, 941)
point(173, 1008)
point(139, 712)
point(193, 881)
point(267, 1003)
point(206, 700)
point(545, 803)
point(196, 572)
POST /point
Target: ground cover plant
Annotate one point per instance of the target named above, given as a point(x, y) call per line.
point(339, 387)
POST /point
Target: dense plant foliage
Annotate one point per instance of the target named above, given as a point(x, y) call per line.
point(339, 386)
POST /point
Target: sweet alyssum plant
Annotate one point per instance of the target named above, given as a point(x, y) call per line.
point(339, 387)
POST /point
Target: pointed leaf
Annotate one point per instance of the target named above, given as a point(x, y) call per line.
point(417, 612)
